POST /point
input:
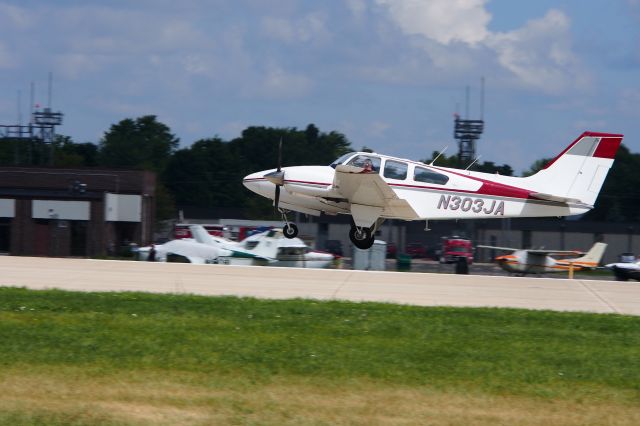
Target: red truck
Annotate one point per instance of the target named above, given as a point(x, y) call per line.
point(454, 248)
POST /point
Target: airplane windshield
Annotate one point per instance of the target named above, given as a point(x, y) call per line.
point(370, 163)
point(341, 159)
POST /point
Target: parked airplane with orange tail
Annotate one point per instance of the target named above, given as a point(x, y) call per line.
point(373, 187)
point(530, 261)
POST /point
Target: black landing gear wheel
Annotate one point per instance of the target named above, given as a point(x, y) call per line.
point(290, 230)
point(361, 237)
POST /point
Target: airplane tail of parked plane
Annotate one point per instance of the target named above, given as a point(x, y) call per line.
point(593, 257)
point(201, 235)
point(577, 174)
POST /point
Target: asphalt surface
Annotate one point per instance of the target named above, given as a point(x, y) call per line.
point(424, 289)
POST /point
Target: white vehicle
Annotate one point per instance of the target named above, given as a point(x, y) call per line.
point(532, 261)
point(395, 188)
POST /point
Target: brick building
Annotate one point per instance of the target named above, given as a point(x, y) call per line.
point(74, 212)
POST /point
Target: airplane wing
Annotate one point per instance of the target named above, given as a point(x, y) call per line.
point(556, 252)
point(249, 255)
point(497, 248)
point(369, 189)
point(541, 252)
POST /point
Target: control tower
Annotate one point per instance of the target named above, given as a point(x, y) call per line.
point(33, 142)
point(467, 131)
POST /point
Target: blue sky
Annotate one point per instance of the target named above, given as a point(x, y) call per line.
point(386, 73)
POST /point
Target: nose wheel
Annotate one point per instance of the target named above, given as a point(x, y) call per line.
point(290, 230)
point(361, 237)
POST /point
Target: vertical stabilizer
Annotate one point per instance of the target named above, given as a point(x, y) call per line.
point(579, 171)
point(594, 255)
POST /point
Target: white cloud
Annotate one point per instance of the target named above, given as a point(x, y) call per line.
point(444, 21)
point(279, 83)
point(198, 64)
point(309, 28)
point(357, 8)
point(15, 17)
point(455, 36)
point(539, 54)
point(75, 65)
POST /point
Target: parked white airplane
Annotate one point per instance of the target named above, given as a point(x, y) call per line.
point(292, 252)
point(197, 251)
point(194, 252)
point(625, 271)
point(269, 247)
point(201, 235)
point(395, 188)
point(536, 261)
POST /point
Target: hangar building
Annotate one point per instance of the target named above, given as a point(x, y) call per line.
point(46, 211)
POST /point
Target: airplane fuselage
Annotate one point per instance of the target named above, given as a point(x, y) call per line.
point(521, 262)
point(465, 195)
point(372, 187)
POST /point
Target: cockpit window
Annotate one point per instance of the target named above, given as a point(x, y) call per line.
point(429, 176)
point(341, 160)
point(395, 170)
point(369, 163)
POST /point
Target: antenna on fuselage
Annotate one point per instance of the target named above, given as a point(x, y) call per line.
point(473, 162)
point(438, 156)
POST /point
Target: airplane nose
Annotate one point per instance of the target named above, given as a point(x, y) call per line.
point(257, 183)
point(251, 181)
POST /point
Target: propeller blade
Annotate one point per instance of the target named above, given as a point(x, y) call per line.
point(280, 155)
point(277, 177)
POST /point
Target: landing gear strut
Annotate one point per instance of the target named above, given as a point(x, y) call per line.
point(290, 230)
point(361, 237)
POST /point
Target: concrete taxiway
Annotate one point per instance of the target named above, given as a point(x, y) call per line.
point(422, 289)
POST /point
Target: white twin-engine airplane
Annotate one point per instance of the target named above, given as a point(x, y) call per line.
point(372, 187)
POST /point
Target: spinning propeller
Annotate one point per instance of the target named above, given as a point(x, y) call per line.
point(277, 177)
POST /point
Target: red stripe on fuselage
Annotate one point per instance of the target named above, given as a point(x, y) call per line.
point(492, 188)
point(306, 182)
point(481, 191)
point(488, 188)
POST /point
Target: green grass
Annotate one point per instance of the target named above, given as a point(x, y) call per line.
point(537, 354)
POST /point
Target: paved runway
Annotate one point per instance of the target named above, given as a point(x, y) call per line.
point(282, 283)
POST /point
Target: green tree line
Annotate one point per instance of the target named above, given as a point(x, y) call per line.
point(208, 174)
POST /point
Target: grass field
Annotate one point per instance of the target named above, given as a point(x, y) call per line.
point(133, 358)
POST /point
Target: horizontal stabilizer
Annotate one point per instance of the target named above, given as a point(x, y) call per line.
point(558, 199)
